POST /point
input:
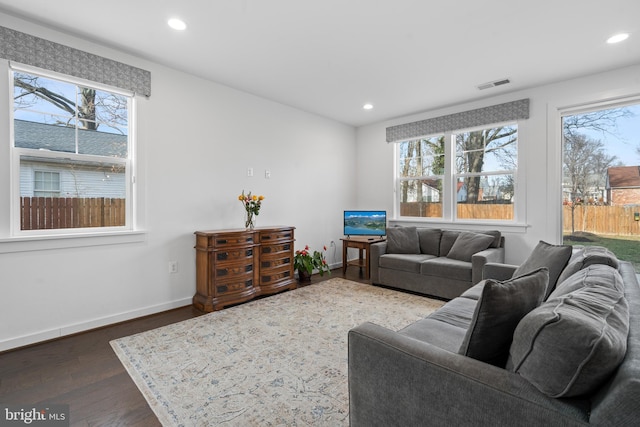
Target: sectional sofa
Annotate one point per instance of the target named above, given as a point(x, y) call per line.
point(556, 344)
point(434, 262)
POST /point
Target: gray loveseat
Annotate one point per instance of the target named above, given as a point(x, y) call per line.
point(430, 261)
point(503, 355)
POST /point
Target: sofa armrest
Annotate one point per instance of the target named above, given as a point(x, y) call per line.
point(479, 260)
point(498, 271)
point(395, 380)
point(375, 251)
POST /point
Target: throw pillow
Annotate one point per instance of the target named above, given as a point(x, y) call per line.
point(447, 240)
point(468, 244)
point(554, 257)
point(570, 345)
point(497, 237)
point(429, 240)
point(500, 307)
point(402, 240)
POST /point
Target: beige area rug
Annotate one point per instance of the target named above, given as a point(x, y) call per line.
point(276, 361)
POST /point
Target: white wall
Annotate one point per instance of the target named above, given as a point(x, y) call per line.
point(196, 140)
point(539, 161)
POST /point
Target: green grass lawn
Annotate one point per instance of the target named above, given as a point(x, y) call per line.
point(626, 248)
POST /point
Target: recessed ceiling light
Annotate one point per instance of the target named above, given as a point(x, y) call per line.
point(177, 24)
point(367, 106)
point(617, 38)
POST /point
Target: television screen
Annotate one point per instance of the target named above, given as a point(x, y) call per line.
point(365, 223)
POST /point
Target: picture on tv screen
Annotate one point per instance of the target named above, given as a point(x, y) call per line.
point(365, 223)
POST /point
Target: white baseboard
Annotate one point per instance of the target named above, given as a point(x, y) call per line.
point(62, 331)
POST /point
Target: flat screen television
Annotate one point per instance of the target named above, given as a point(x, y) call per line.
point(365, 223)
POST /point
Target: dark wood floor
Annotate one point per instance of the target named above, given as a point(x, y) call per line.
point(84, 372)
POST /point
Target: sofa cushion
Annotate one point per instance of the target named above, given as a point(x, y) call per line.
point(585, 256)
point(497, 237)
point(429, 239)
point(447, 267)
point(467, 244)
point(572, 343)
point(554, 257)
point(403, 262)
point(446, 327)
point(447, 240)
point(402, 240)
point(593, 275)
point(497, 313)
point(474, 292)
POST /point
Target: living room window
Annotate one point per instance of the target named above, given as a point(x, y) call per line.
point(72, 154)
point(459, 175)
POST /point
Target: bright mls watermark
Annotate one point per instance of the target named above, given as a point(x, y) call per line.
point(34, 415)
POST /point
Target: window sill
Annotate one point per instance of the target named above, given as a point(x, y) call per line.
point(511, 227)
point(42, 243)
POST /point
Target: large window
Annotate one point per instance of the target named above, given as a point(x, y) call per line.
point(466, 175)
point(72, 154)
point(601, 178)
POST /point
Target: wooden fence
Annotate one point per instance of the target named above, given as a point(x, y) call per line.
point(605, 220)
point(466, 211)
point(39, 213)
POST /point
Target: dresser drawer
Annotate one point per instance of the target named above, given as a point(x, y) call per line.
point(275, 235)
point(232, 239)
point(232, 270)
point(278, 248)
point(234, 255)
point(275, 261)
point(278, 274)
point(225, 287)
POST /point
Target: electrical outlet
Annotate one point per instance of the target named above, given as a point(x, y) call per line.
point(173, 267)
point(249, 171)
point(267, 174)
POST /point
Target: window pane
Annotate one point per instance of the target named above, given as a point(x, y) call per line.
point(485, 197)
point(421, 157)
point(421, 198)
point(88, 194)
point(43, 95)
point(102, 143)
point(493, 149)
point(29, 134)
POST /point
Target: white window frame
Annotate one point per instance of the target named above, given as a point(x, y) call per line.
point(449, 196)
point(12, 238)
point(35, 181)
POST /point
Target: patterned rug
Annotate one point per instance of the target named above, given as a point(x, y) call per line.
point(275, 361)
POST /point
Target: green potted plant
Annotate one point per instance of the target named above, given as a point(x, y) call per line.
point(305, 262)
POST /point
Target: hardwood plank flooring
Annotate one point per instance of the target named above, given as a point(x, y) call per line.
point(83, 371)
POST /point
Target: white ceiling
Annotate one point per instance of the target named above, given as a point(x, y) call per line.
point(330, 57)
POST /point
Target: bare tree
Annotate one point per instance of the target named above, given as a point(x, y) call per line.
point(475, 145)
point(92, 107)
point(584, 168)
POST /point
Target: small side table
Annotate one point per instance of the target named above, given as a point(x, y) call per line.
point(363, 244)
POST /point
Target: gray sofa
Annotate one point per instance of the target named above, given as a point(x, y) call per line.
point(572, 359)
point(440, 263)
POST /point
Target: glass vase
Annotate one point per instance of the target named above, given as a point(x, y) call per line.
point(249, 221)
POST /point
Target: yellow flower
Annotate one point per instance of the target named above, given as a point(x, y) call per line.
point(254, 197)
point(240, 197)
point(261, 198)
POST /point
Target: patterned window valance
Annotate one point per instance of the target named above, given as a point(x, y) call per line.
point(482, 116)
point(41, 53)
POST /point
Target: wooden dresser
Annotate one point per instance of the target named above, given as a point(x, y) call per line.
point(234, 266)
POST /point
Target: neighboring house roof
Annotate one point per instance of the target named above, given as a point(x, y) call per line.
point(61, 138)
point(623, 177)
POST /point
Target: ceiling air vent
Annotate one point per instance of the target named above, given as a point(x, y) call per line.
point(494, 84)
